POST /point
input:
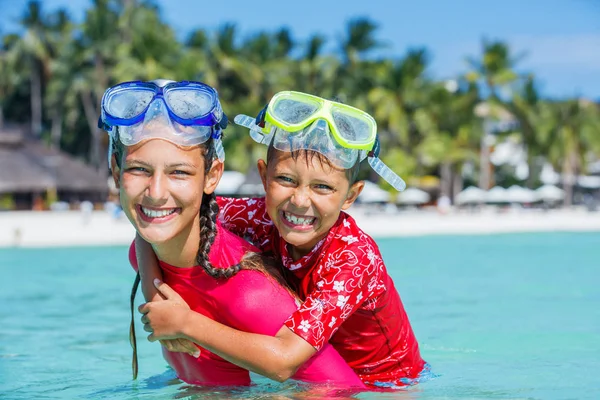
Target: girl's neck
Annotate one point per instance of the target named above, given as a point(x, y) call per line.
point(180, 251)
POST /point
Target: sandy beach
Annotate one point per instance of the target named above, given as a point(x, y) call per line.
point(73, 228)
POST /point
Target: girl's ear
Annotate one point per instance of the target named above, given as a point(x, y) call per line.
point(212, 178)
point(116, 171)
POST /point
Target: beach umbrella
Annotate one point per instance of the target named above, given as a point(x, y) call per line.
point(496, 194)
point(470, 195)
point(372, 193)
point(550, 193)
point(519, 194)
point(230, 183)
point(413, 196)
point(252, 186)
point(589, 182)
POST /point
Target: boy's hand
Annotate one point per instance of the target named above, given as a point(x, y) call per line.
point(181, 346)
point(165, 319)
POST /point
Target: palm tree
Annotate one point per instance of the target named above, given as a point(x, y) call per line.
point(450, 132)
point(400, 89)
point(495, 71)
point(8, 75)
point(358, 42)
point(538, 125)
point(579, 126)
point(34, 48)
point(61, 69)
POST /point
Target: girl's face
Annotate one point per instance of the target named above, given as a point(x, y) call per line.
point(161, 187)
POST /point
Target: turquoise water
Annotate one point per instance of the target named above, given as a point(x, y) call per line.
point(498, 317)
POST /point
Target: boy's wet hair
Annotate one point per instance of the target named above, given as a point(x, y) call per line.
point(351, 173)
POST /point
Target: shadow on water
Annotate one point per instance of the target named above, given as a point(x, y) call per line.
point(167, 386)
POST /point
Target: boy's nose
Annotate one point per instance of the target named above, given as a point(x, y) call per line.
point(301, 198)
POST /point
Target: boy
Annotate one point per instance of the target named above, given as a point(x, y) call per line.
point(349, 300)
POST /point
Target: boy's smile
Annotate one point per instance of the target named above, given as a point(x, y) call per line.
point(304, 197)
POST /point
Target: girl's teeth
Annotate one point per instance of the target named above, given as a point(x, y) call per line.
point(157, 213)
point(298, 220)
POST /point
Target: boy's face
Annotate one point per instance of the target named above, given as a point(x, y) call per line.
point(304, 198)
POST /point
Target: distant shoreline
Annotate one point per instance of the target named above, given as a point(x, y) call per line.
point(71, 228)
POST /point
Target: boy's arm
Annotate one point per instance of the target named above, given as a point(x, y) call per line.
point(278, 357)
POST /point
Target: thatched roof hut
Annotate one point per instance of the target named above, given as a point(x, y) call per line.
point(29, 169)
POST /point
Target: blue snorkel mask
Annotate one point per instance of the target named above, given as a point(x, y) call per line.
point(185, 113)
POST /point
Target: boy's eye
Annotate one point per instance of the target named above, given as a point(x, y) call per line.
point(323, 187)
point(180, 172)
point(286, 179)
point(137, 169)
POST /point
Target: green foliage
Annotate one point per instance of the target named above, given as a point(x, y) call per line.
point(7, 202)
point(423, 124)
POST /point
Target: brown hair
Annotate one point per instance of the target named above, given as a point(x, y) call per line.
point(351, 173)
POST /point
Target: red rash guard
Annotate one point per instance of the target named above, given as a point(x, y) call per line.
point(349, 299)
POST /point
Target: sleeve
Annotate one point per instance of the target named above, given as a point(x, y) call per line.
point(345, 280)
point(262, 306)
point(247, 218)
point(235, 214)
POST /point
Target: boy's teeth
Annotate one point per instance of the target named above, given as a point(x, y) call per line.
point(157, 213)
point(298, 220)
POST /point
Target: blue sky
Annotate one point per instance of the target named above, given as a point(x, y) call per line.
point(561, 38)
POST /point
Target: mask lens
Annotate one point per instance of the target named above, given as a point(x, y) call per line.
point(352, 129)
point(293, 111)
point(188, 103)
point(128, 103)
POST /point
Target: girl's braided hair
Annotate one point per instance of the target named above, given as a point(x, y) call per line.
point(209, 211)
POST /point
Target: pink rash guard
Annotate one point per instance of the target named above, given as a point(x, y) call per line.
point(249, 301)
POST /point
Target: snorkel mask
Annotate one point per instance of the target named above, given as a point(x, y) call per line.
point(185, 113)
point(298, 121)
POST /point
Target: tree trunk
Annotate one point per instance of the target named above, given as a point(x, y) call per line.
point(532, 165)
point(36, 100)
point(457, 182)
point(1, 117)
point(101, 79)
point(91, 115)
point(56, 132)
point(446, 179)
point(484, 161)
point(569, 178)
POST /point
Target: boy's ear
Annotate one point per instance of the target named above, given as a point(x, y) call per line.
point(115, 171)
point(353, 193)
point(262, 171)
point(212, 178)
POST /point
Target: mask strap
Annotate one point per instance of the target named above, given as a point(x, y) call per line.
point(383, 170)
point(260, 118)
